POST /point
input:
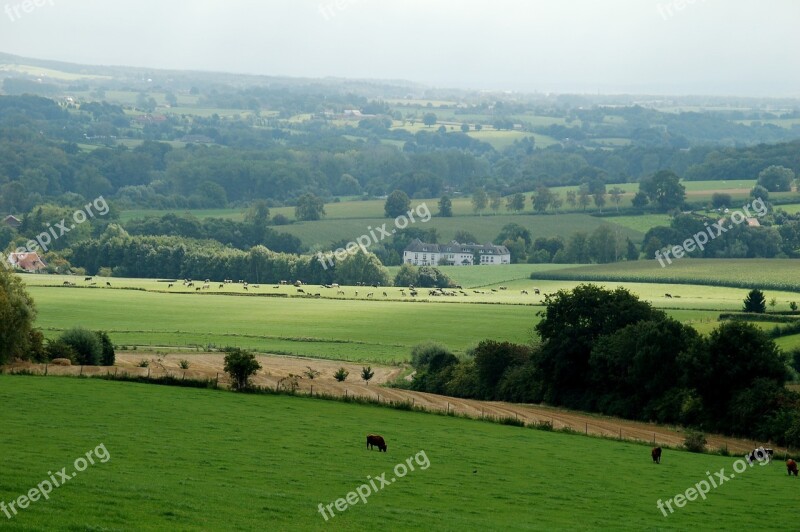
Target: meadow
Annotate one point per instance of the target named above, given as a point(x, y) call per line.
point(353, 327)
point(193, 459)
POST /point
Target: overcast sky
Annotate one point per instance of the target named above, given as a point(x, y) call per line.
point(743, 47)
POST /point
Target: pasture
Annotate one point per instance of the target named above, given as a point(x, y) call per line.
point(245, 462)
point(353, 326)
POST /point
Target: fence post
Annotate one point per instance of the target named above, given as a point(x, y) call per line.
point(45, 369)
point(345, 392)
point(115, 371)
point(586, 431)
point(312, 390)
point(620, 433)
point(148, 372)
point(81, 373)
point(216, 382)
point(184, 376)
point(448, 408)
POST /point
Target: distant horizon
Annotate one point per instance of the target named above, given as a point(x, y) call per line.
point(659, 47)
point(421, 84)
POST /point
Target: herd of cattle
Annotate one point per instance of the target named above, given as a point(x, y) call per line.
point(759, 455)
point(302, 288)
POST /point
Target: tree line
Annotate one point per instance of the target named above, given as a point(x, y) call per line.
point(607, 351)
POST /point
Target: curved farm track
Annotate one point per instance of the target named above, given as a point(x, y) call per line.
point(275, 368)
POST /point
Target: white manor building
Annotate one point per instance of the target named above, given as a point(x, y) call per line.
point(419, 253)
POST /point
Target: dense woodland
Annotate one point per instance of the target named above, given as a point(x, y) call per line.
point(607, 351)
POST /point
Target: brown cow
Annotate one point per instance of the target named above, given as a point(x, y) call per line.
point(791, 467)
point(656, 454)
point(377, 441)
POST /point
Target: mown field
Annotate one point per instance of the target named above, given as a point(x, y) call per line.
point(187, 459)
point(353, 326)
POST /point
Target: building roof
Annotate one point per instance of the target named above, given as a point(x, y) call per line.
point(12, 220)
point(30, 262)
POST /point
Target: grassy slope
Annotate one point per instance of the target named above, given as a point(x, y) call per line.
point(185, 459)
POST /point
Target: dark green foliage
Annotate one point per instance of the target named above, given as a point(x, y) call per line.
point(240, 365)
point(397, 204)
point(695, 442)
point(17, 313)
point(445, 206)
point(87, 346)
point(309, 207)
point(341, 375)
point(107, 357)
point(58, 349)
point(755, 302)
point(367, 374)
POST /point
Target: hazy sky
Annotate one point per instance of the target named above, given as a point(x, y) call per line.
point(747, 47)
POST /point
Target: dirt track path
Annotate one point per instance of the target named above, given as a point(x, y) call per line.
point(209, 365)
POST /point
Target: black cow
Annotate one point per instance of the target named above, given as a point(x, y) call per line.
point(376, 440)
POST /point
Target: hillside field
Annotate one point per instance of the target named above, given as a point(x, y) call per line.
point(187, 459)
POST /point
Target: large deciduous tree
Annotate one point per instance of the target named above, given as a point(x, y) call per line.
point(17, 313)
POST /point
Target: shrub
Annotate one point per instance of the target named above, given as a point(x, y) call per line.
point(58, 349)
point(367, 374)
point(184, 364)
point(143, 363)
point(695, 442)
point(240, 365)
point(341, 374)
point(311, 373)
point(87, 346)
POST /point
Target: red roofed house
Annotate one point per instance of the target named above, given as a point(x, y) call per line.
point(29, 262)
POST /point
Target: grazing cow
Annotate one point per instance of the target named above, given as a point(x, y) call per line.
point(385, 294)
point(170, 285)
point(222, 286)
point(197, 289)
point(376, 440)
point(525, 292)
point(656, 454)
point(301, 291)
point(371, 294)
point(759, 455)
point(87, 278)
point(245, 287)
point(340, 292)
point(536, 291)
point(791, 467)
point(668, 295)
point(108, 284)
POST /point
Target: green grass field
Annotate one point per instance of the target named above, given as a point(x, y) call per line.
point(188, 459)
point(772, 274)
point(381, 329)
